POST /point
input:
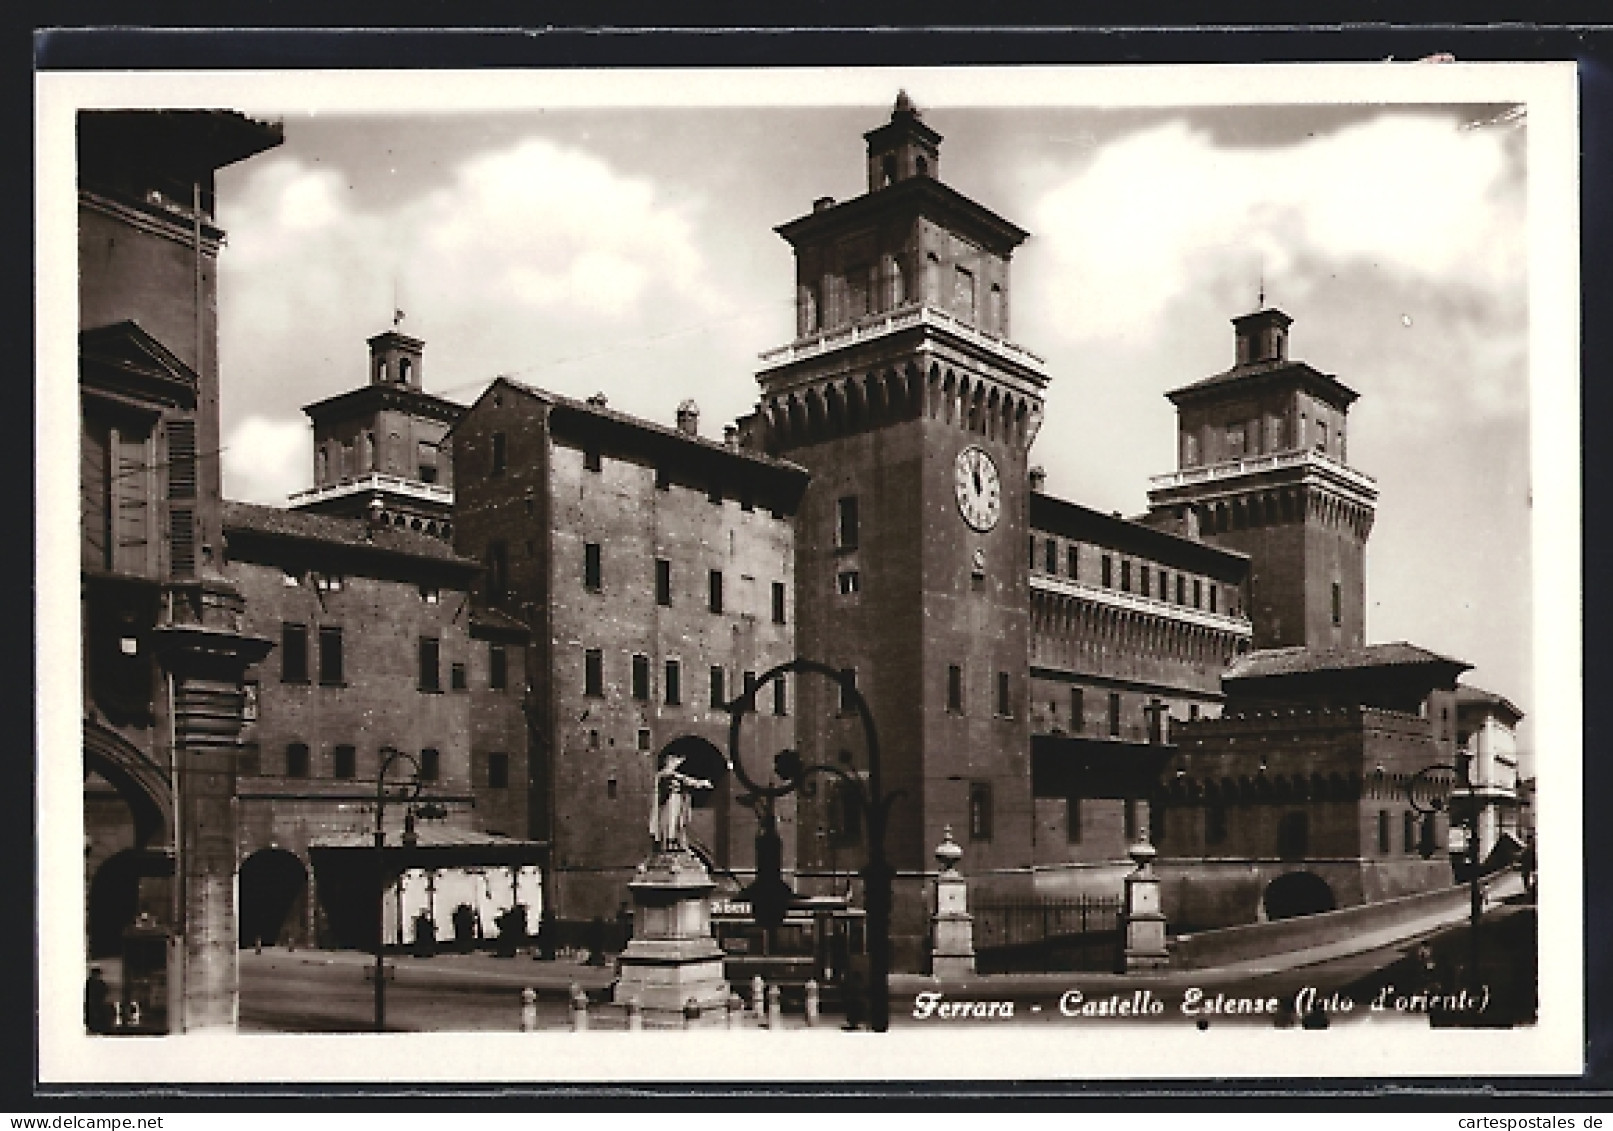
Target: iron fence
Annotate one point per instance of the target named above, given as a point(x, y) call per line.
point(1025, 920)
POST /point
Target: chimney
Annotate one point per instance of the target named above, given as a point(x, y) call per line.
point(823, 204)
point(689, 418)
point(598, 400)
point(1038, 478)
point(730, 435)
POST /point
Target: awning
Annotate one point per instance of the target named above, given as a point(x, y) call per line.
point(438, 846)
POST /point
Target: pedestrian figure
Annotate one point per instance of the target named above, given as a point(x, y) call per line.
point(97, 1003)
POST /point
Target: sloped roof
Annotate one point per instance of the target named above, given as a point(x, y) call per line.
point(1469, 696)
point(278, 522)
point(1332, 388)
point(1269, 662)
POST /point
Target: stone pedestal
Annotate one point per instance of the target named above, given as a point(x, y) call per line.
point(1142, 921)
point(672, 958)
point(952, 949)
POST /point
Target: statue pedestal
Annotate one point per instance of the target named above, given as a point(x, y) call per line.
point(1143, 923)
point(672, 958)
point(952, 951)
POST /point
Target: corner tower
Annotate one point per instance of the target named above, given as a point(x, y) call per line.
point(904, 398)
point(1262, 470)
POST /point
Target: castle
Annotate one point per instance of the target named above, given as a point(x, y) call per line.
point(1049, 682)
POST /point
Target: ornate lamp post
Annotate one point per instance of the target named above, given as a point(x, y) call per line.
point(1465, 849)
point(875, 805)
point(407, 792)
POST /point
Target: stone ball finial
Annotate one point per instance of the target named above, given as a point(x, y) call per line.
point(1142, 853)
point(948, 853)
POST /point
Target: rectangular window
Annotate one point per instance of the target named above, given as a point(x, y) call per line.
point(1212, 596)
point(1072, 820)
point(1142, 580)
point(719, 694)
point(1125, 577)
point(1108, 571)
point(644, 738)
point(498, 570)
point(249, 701)
point(1338, 604)
point(674, 681)
point(1409, 830)
point(663, 582)
point(293, 653)
point(1181, 590)
point(1114, 714)
point(456, 677)
point(1198, 593)
point(297, 760)
point(848, 684)
point(715, 580)
point(1051, 555)
point(498, 454)
point(1383, 831)
point(593, 673)
point(430, 765)
point(849, 581)
point(847, 526)
point(1031, 560)
point(781, 703)
point(430, 677)
point(591, 569)
point(641, 677)
point(345, 764)
point(497, 667)
point(498, 771)
point(979, 810)
point(778, 602)
point(1077, 711)
point(330, 656)
point(1215, 824)
point(590, 459)
point(955, 688)
point(1005, 706)
point(1072, 562)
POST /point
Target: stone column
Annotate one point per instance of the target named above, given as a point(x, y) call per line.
point(204, 655)
point(1142, 921)
point(952, 953)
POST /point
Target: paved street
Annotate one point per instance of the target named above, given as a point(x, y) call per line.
point(323, 991)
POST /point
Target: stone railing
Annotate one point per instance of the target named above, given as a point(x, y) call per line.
point(375, 481)
point(880, 326)
point(1135, 602)
point(1229, 469)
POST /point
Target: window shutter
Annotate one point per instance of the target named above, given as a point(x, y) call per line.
point(181, 490)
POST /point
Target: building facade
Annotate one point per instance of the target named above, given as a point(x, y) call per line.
point(164, 643)
point(655, 568)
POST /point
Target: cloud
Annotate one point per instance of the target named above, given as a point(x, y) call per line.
point(265, 460)
point(518, 259)
point(1163, 210)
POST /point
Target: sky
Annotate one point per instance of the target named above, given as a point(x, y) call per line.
point(630, 250)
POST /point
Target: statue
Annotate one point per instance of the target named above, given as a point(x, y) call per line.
point(669, 819)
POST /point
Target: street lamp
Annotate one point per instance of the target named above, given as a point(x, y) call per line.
point(875, 805)
point(1464, 841)
point(406, 792)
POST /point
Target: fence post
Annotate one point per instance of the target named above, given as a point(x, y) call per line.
point(529, 1010)
point(579, 1009)
point(775, 1008)
point(736, 1010)
point(811, 1002)
point(635, 1015)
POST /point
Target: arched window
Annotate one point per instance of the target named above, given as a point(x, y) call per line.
point(380, 369)
point(404, 368)
point(922, 164)
point(321, 466)
point(888, 167)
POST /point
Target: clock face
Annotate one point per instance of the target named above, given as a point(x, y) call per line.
point(978, 487)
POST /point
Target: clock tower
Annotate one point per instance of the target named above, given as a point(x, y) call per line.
point(904, 397)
